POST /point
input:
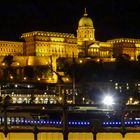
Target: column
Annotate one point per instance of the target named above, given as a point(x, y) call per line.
point(35, 133)
point(94, 135)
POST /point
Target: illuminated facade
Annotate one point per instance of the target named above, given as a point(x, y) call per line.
point(41, 48)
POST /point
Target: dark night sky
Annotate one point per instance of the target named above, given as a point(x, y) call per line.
point(111, 18)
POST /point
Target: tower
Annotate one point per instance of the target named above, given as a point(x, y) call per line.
point(85, 33)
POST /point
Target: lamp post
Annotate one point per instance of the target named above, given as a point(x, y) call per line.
point(73, 78)
point(65, 118)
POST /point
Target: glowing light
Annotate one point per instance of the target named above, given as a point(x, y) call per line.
point(11, 77)
point(43, 107)
point(67, 79)
point(81, 61)
point(25, 78)
point(60, 98)
point(50, 78)
point(38, 79)
point(108, 100)
point(16, 86)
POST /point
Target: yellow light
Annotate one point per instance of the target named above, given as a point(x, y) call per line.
point(112, 59)
point(69, 101)
point(81, 61)
point(25, 78)
point(38, 79)
point(11, 77)
point(3, 64)
point(60, 98)
point(131, 99)
point(67, 79)
point(50, 78)
point(17, 64)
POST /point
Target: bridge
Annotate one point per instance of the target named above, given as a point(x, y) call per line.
point(67, 119)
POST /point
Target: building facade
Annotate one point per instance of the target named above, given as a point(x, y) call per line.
point(41, 48)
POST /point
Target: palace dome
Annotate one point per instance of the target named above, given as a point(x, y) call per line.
point(85, 20)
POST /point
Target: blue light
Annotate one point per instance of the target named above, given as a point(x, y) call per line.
point(13, 120)
point(22, 121)
point(72, 122)
point(85, 123)
point(2, 119)
point(135, 122)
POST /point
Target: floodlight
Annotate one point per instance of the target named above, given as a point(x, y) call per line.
point(108, 100)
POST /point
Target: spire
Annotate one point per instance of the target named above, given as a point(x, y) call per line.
point(85, 13)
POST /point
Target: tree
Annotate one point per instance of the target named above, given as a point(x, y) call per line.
point(62, 64)
point(29, 72)
point(123, 66)
point(8, 60)
point(7, 100)
point(138, 58)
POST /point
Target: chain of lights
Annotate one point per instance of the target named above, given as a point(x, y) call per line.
point(71, 123)
point(42, 122)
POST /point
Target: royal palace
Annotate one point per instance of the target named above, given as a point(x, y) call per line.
point(40, 48)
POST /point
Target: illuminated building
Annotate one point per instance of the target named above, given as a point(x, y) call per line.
point(41, 48)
